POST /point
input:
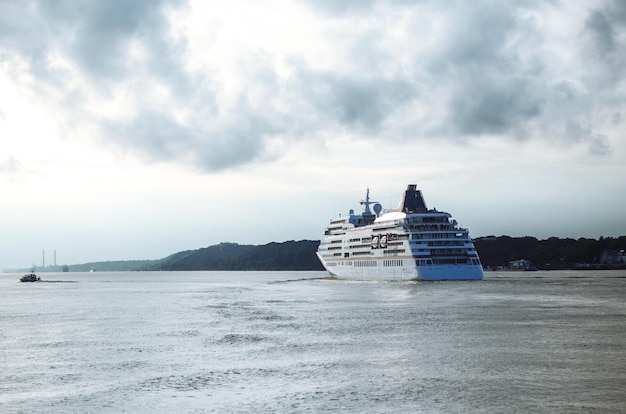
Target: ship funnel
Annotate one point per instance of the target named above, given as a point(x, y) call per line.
point(412, 201)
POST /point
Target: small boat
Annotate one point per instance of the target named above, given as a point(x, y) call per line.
point(30, 277)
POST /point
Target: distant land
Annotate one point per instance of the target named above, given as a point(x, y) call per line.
point(289, 255)
point(552, 253)
point(495, 253)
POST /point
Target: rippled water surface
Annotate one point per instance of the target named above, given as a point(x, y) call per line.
point(296, 342)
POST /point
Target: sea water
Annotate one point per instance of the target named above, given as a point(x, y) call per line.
point(236, 342)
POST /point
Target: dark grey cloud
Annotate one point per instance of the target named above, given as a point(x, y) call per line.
point(97, 34)
point(601, 31)
point(94, 33)
point(491, 86)
point(492, 69)
point(352, 102)
point(485, 68)
point(497, 68)
point(498, 104)
point(604, 48)
point(158, 137)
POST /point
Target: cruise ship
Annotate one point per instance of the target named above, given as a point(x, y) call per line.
point(409, 243)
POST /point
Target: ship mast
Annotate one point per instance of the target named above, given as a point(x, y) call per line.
point(367, 203)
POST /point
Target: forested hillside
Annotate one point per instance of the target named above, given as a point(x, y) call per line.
point(552, 253)
point(290, 255)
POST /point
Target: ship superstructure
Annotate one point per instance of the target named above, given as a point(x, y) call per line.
point(409, 243)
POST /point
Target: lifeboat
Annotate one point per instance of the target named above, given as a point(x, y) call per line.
point(375, 242)
point(383, 242)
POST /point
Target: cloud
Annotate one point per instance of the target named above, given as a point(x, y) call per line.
point(493, 85)
point(604, 49)
point(600, 30)
point(157, 137)
point(352, 101)
point(599, 146)
point(395, 70)
point(342, 8)
point(11, 168)
point(97, 35)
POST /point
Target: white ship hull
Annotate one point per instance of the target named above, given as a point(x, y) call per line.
point(411, 243)
point(406, 272)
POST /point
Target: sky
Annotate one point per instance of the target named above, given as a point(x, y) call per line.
point(137, 129)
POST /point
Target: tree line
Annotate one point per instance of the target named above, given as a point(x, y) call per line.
point(289, 255)
point(552, 253)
